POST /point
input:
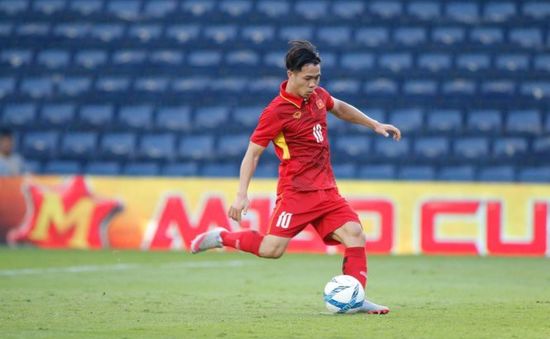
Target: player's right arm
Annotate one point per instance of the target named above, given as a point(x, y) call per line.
point(248, 167)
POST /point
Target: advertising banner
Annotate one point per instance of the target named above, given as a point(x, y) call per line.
point(166, 214)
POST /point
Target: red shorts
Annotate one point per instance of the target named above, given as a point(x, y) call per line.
point(326, 210)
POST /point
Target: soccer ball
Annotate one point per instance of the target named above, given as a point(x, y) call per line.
point(344, 294)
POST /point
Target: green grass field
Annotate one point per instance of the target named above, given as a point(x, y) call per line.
point(119, 294)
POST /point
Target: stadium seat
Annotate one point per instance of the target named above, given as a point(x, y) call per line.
point(187, 33)
point(459, 87)
point(381, 86)
point(6, 29)
point(236, 8)
point(424, 173)
point(265, 85)
point(343, 87)
point(32, 166)
point(275, 59)
point(288, 33)
point(166, 57)
point(32, 30)
point(13, 7)
point(124, 9)
point(112, 84)
point(485, 121)
point(266, 170)
point(433, 148)
point(157, 84)
point(445, 121)
point(73, 86)
point(448, 35)
point(186, 85)
point(228, 86)
point(348, 10)
point(16, 57)
point(41, 145)
point(541, 146)
point(357, 61)
point(385, 9)
point(408, 120)
point(487, 36)
point(128, 57)
point(534, 174)
point(118, 145)
point(457, 173)
point(157, 146)
point(37, 88)
point(524, 121)
point(460, 11)
point(334, 35)
point(62, 167)
point(19, 115)
point(497, 11)
point(352, 146)
point(504, 173)
point(247, 116)
point(71, 31)
point(106, 32)
point(54, 58)
point(409, 36)
point(512, 62)
point(420, 87)
point(102, 168)
point(180, 169)
point(229, 170)
point(537, 10)
point(86, 7)
point(471, 148)
point(389, 149)
point(473, 62)
point(174, 118)
point(145, 32)
point(90, 59)
point(273, 8)
point(232, 145)
point(542, 62)
point(196, 147)
point(7, 86)
point(344, 170)
point(395, 62)
point(311, 9)
point(159, 8)
point(502, 88)
point(377, 172)
point(258, 34)
point(202, 58)
point(141, 169)
point(510, 148)
point(198, 8)
point(220, 34)
point(434, 62)
point(96, 115)
point(372, 36)
point(526, 37)
point(211, 117)
point(536, 89)
point(424, 10)
point(244, 58)
point(79, 145)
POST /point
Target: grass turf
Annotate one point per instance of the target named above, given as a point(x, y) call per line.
point(123, 294)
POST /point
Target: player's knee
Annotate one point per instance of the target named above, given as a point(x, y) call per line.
point(272, 252)
point(354, 235)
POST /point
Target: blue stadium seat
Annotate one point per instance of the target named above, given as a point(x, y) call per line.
point(408, 120)
point(348, 10)
point(424, 10)
point(14, 7)
point(432, 148)
point(202, 58)
point(247, 116)
point(311, 9)
point(434, 62)
point(33, 30)
point(62, 167)
point(377, 172)
point(357, 61)
point(473, 62)
point(112, 84)
point(157, 146)
point(409, 36)
point(90, 59)
point(457, 173)
point(487, 36)
point(512, 62)
point(87, 7)
point(58, 115)
point(288, 33)
point(465, 12)
point(96, 115)
point(118, 145)
point(71, 31)
point(334, 35)
point(541, 146)
point(221, 34)
point(166, 57)
point(388, 148)
point(381, 86)
point(537, 89)
point(7, 86)
point(232, 145)
point(41, 145)
point(503, 173)
point(526, 37)
point(102, 168)
point(243, 57)
point(32, 166)
point(145, 32)
point(6, 29)
point(183, 169)
point(196, 146)
point(197, 84)
point(220, 170)
point(372, 36)
point(485, 121)
point(141, 169)
point(510, 148)
point(524, 121)
point(542, 62)
point(336, 125)
point(236, 8)
point(106, 32)
point(79, 145)
point(156, 84)
point(353, 146)
point(386, 9)
point(198, 8)
point(537, 10)
point(395, 62)
point(19, 115)
point(445, 121)
point(499, 11)
point(124, 9)
point(268, 85)
point(174, 118)
point(266, 170)
point(371, 111)
point(448, 35)
point(534, 174)
point(53, 58)
point(459, 87)
point(424, 173)
point(73, 86)
point(258, 34)
point(16, 57)
point(211, 117)
point(343, 87)
point(37, 88)
point(420, 87)
point(502, 88)
point(128, 57)
point(275, 59)
point(471, 148)
point(159, 8)
point(183, 33)
point(273, 8)
point(229, 86)
point(344, 170)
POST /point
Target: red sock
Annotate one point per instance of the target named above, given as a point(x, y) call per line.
point(355, 264)
point(247, 241)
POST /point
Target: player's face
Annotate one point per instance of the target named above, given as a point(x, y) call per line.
point(305, 81)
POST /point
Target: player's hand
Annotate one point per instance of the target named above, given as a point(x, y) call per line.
point(238, 208)
point(387, 130)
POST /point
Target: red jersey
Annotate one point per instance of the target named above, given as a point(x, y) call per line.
point(298, 130)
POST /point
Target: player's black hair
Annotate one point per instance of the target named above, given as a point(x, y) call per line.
point(300, 53)
point(4, 132)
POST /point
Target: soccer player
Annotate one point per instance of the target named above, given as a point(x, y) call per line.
point(296, 122)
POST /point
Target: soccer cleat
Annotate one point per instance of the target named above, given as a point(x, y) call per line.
point(372, 308)
point(207, 240)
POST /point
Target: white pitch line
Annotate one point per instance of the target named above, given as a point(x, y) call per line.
point(118, 267)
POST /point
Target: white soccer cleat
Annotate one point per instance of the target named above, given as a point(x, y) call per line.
point(372, 308)
point(207, 240)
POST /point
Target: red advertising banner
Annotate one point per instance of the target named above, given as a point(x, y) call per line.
point(162, 214)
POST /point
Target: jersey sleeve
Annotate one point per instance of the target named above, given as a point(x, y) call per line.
point(329, 102)
point(269, 126)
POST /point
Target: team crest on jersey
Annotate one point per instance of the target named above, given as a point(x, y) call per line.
point(297, 114)
point(320, 104)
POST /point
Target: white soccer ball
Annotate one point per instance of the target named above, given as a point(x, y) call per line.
point(344, 294)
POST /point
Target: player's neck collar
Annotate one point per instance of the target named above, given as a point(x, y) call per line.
point(293, 99)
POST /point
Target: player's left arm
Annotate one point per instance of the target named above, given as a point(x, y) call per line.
point(347, 112)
